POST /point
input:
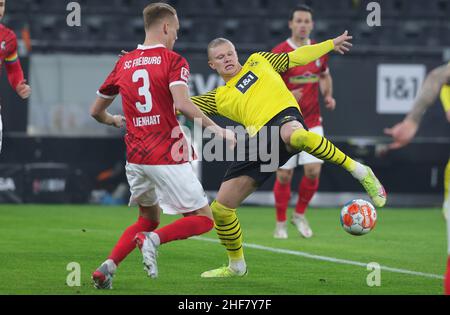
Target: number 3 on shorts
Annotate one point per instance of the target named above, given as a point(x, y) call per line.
point(143, 91)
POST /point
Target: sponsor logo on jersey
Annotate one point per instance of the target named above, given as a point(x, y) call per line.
point(308, 77)
point(246, 82)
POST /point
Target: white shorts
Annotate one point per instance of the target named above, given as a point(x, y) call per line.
point(303, 158)
point(174, 187)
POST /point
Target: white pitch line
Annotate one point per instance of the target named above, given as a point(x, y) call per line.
point(325, 258)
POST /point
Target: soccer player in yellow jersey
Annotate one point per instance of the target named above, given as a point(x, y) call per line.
point(437, 82)
point(256, 96)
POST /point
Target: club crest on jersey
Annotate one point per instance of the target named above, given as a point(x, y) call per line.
point(3, 45)
point(246, 82)
point(184, 74)
point(253, 63)
point(318, 63)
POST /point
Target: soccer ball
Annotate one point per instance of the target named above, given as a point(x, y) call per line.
point(358, 217)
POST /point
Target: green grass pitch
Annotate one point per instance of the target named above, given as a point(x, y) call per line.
point(38, 242)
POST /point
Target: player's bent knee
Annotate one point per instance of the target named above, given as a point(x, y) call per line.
point(313, 172)
point(288, 129)
point(284, 176)
point(220, 211)
point(204, 211)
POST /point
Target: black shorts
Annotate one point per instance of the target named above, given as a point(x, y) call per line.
point(257, 167)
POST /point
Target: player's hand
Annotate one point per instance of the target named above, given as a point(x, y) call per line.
point(342, 44)
point(298, 93)
point(330, 103)
point(230, 137)
point(118, 121)
point(402, 133)
point(23, 90)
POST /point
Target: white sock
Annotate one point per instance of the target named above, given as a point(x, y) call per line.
point(360, 171)
point(238, 266)
point(155, 239)
point(111, 265)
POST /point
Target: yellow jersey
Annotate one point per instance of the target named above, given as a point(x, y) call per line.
point(445, 96)
point(258, 93)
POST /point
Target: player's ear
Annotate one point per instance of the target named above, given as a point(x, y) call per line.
point(166, 28)
point(211, 65)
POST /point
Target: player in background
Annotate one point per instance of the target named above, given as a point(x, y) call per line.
point(437, 82)
point(304, 83)
point(9, 57)
point(256, 96)
point(152, 81)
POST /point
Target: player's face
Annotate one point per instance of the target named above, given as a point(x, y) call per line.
point(224, 59)
point(301, 24)
point(2, 8)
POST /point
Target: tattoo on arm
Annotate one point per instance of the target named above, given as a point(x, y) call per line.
point(429, 92)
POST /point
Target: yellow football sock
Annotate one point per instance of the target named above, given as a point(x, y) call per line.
point(228, 229)
point(321, 148)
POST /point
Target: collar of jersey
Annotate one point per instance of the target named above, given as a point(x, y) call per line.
point(237, 76)
point(293, 45)
point(143, 47)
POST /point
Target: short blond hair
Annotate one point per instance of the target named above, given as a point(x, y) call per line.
point(156, 12)
point(217, 42)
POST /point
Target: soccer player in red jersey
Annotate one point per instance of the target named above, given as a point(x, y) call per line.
point(8, 56)
point(153, 83)
point(304, 83)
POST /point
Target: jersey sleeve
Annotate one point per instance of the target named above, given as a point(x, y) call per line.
point(306, 54)
point(12, 63)
point(179, 71)
point(279, 62)
point(206, 102)
point(110, 88)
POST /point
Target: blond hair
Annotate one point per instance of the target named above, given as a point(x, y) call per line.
point(156, 12)
point(217, 42)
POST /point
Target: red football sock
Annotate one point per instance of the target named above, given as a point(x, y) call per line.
point(184, 228)
point(282, 193)
point(306, 191)
point(447, 278)
point(126, 243)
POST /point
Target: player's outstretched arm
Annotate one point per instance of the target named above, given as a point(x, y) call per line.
point(183, 103)
point(306, 54)
point(99, 112)
point(403, 132)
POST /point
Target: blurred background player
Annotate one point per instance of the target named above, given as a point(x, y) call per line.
point(152, 80)
point(303, 82)
point(436, 83)
point(256, 97)
point(9, 56)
